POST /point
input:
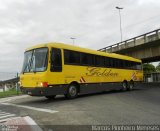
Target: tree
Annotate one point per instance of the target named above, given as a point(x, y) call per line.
point(149, 68)
point(158, 67)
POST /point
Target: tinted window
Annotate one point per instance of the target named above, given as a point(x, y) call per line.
point(133, 65)
point(117, 65)
point(71, 57)
point(121, 64)
point(99, 61)
point(139, 66)
point(125, 64)
point(56, 60)
point(113, 62)
point(79, 58)
point(87, 59)
point(108, 62)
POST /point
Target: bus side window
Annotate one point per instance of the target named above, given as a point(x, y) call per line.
point(100, 61)
point(106, 62)
point(87, 59)
point(138, 66)
point(56, 60)
point(71, 57)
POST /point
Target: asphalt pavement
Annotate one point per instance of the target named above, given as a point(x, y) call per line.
point(138, 107)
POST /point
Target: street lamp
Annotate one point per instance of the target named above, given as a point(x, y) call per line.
point(73, 39)
point(120, 8)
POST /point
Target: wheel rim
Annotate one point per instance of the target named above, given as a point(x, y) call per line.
point(72, 91)
point(124, 85)
point(131, 86)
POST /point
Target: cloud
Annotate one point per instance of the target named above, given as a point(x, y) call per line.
point(94, 24)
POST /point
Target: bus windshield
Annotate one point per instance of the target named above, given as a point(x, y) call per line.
point(35, 60)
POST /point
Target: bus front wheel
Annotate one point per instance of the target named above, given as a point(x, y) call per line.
point(50, 97)
point(72, 91)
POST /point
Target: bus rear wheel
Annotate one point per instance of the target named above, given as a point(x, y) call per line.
point(124, 85)
point(51, 97)
point(72, 91)
point(131, 85)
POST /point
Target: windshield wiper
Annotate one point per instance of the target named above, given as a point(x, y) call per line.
point(29, 64)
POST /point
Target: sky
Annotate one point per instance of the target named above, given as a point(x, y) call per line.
point(94, 24)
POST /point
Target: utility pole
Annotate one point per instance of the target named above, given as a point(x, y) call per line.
point(119, 9)
point(17, 88)
point(73, 39)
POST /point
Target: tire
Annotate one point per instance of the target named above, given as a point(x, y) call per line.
point(130, 86)
point(72, 91)
point(124, 85)
point(51, 97)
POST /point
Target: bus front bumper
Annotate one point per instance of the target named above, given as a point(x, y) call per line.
point(47, 91)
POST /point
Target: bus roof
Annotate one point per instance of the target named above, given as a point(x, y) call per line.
point(85, 50)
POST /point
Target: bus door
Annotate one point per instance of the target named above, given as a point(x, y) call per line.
point(56, 66)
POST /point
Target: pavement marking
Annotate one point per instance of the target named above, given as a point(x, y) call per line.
point(28, 124)
point(32, 108)
point(7, 116)
point(13, 98)
point(10, 118)
point(2, 114)
point(30, 121)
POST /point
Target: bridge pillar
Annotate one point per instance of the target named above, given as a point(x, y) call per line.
point(158, 34)
point(145, 39)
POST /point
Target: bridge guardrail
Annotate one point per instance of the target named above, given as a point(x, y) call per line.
point(138, 40)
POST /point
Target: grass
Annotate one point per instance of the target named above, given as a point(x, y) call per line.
point(8, 93)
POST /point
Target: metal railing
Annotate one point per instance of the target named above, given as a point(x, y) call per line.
point(138, 40)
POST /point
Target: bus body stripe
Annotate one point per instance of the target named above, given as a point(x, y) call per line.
point(134, 77)
point(82, 80)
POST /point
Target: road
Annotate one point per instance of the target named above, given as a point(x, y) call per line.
point(140, 106)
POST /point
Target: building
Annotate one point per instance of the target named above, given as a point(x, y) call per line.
point(152, 77)
point(8, 84)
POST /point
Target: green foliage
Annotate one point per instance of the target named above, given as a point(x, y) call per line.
point(8, 93)
point(149, 68)
point(158, 67)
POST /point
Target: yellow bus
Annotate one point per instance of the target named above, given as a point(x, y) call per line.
point(54, 69)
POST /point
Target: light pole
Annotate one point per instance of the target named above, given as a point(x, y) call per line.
point(120, 8)
point(73, 39)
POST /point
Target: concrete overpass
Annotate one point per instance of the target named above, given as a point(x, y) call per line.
point(145, 47)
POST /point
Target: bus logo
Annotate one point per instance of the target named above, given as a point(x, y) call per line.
point(94, 71)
